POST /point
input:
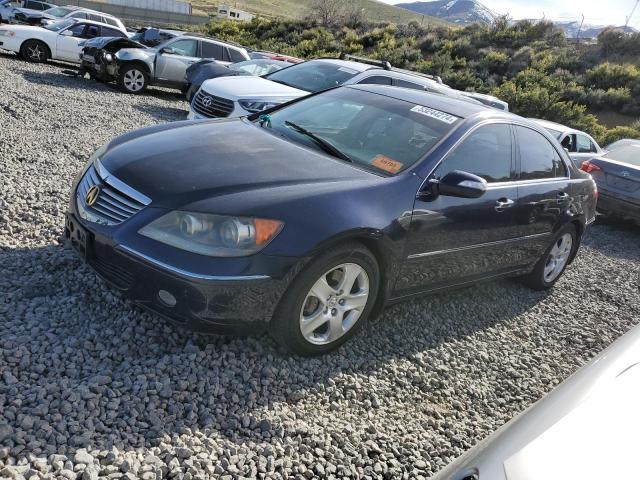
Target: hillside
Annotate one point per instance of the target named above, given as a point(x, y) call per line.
point(454, 11)
point(297, 9)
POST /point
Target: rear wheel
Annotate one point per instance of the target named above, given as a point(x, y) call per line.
point(133, 79)
point(35, 51)
point(553, 263)
point(328, 302)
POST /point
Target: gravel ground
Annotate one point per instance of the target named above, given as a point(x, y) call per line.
point(91, 386)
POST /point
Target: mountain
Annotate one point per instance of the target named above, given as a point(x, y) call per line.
point(571, 29)
point(454, 11)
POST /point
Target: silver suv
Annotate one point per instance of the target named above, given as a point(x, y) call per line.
point(136, 67)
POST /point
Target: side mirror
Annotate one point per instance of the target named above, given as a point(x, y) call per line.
point(66, 33)
point(168, 51)
point(460, 184)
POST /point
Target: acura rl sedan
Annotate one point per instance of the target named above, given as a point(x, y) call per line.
point(309, 218)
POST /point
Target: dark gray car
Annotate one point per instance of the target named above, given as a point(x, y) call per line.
point(617, 174)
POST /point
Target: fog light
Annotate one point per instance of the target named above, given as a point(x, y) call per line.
point(167, 298)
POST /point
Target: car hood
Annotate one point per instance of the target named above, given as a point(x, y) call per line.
point(185, 162)
point(22, 30)
point(32, 13)
point(250, 87)
point(112, 44)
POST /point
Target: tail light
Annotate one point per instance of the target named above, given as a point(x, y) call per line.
point(590, 167)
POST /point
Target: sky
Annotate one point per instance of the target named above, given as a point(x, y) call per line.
point(596, 12)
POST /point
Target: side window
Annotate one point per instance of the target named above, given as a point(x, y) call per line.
point(92, 31)
point(212, 50)
point(112, 32)
point(78, 30)
point(187, 48)
point(236, 55)
point(405, 84)
point(585, 145)
point(538, 157)
point(110, 21)
point(95, 18)
point(569, 143)
point(376, 80)
point(486, 152)
point(82, 15)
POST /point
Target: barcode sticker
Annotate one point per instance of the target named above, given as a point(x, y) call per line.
point(437, 114)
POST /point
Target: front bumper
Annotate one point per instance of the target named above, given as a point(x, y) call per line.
point(235, 305)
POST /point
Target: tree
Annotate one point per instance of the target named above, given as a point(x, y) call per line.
point(326, 12)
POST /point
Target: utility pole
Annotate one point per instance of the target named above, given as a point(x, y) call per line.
point(580, 29)
point(626, 25)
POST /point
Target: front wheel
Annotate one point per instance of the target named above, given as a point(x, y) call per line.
point(328, 302)
point(133, 79)
point(34, 51)
point(553, 263)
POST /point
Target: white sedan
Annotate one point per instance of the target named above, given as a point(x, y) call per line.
point(60, 40)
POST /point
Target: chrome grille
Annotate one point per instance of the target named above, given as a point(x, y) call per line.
point(211, 106)
point(116, 201)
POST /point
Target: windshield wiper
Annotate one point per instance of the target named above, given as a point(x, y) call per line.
point(322, 143)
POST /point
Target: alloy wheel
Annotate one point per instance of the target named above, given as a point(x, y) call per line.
point(35, 52)
point(334, 304)
point(558, 257)
point(134, 80)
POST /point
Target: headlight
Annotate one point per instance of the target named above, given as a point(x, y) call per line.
point(108, 57)
point(254, 106)
point(7, 33)
point(213, 235)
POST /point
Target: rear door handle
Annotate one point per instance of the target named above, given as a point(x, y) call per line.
point(561, 197)
point(503, 203)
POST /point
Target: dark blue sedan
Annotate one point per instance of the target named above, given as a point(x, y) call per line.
point(311, 217)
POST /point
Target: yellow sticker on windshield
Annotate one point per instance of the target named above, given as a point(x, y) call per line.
point(387, 164)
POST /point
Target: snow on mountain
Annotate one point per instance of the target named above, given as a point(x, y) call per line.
point(455, 11)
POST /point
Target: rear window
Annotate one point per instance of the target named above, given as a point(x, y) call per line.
point(212, 50)
point(314, 76)
point(629, 154)
point(380, 133)
point(236, 55)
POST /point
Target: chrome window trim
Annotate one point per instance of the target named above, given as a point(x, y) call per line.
point(478, 245)
point(512, 183)
point(187, 274)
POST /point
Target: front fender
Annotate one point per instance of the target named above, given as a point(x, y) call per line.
point(136, 55)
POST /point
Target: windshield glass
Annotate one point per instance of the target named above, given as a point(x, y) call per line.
point(313, 76)
point(57, 26)
point(375, 131)
point(58, 12)
point(257, 67)
point(627, 154)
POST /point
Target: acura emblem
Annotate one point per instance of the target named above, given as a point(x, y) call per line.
point(625, 174)
point(207, 101)
point(92, 195)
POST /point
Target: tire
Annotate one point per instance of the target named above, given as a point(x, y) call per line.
point(133, 79)
point(35, 51)
point(545, 275)
point(336, 317)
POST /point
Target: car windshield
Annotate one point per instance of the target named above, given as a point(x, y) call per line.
point(61, 25)
point(58, 12)
point(375, 131)
point(257, 67)
point(629, 154)
point(313, 76)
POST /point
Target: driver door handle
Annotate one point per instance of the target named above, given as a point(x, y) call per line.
point(503, 203)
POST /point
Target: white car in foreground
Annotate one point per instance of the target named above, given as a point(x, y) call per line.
point(59, 41)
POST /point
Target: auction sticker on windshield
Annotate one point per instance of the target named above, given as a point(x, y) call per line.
point(437, 114)
point(387, 164)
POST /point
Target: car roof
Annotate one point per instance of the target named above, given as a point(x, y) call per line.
point(554, 126)
point(358, 66)
point(458, 107)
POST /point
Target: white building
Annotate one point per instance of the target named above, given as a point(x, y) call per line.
point(225, 11)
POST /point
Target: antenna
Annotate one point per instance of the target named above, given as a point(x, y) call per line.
point(628, 19)
point(580, 29)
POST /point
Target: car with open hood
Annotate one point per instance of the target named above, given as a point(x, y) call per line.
point(135, 66)
point(308, 219)
point(59, 41)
